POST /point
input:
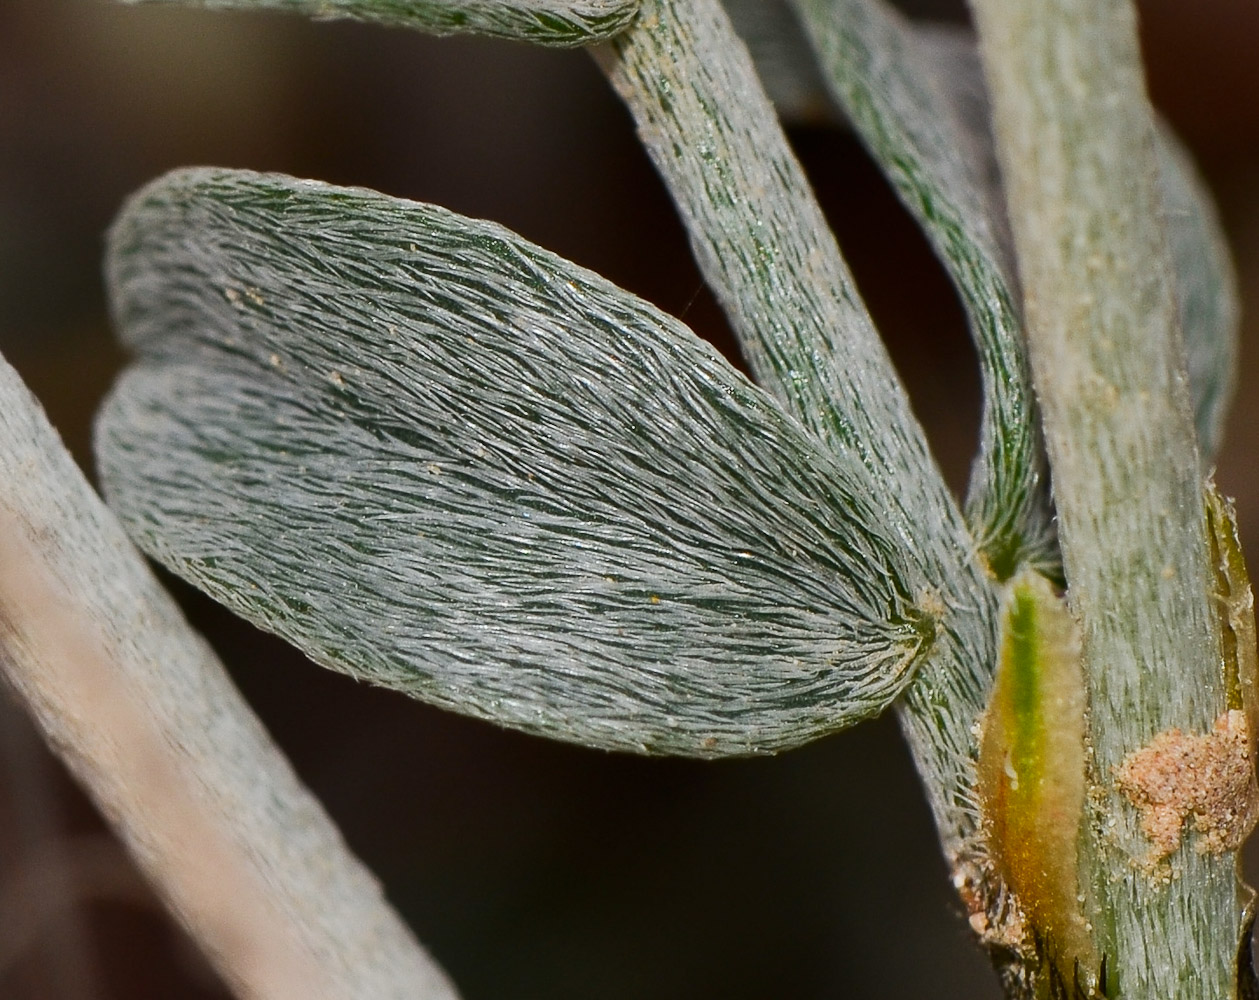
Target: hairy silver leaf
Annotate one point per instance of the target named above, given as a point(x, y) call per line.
point(546, 22)
point(1206, 286)
point(438, 457)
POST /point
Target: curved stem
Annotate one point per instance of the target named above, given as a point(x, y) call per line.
point(765, 248)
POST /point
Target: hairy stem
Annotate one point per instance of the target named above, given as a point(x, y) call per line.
point(147, 719)
point(1076, 145)
point(765, 248)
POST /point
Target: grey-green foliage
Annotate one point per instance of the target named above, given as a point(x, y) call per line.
point(941, 62)
point(885, 584)
point(1207, 293)
point(434, 455)
point(545, 22)
point(690, 570)
point(438, 457)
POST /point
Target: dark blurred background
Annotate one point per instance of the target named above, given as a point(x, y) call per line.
point(530, 869)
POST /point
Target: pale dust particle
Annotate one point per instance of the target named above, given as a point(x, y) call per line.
point(1204, 777)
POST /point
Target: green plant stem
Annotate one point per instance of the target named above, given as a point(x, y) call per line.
point(878, 70)
point(770, 257)
point(1076, 144)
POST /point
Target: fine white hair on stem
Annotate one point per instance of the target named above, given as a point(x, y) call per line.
point(765, 248)
point(146, 718)
point(1076, 141)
